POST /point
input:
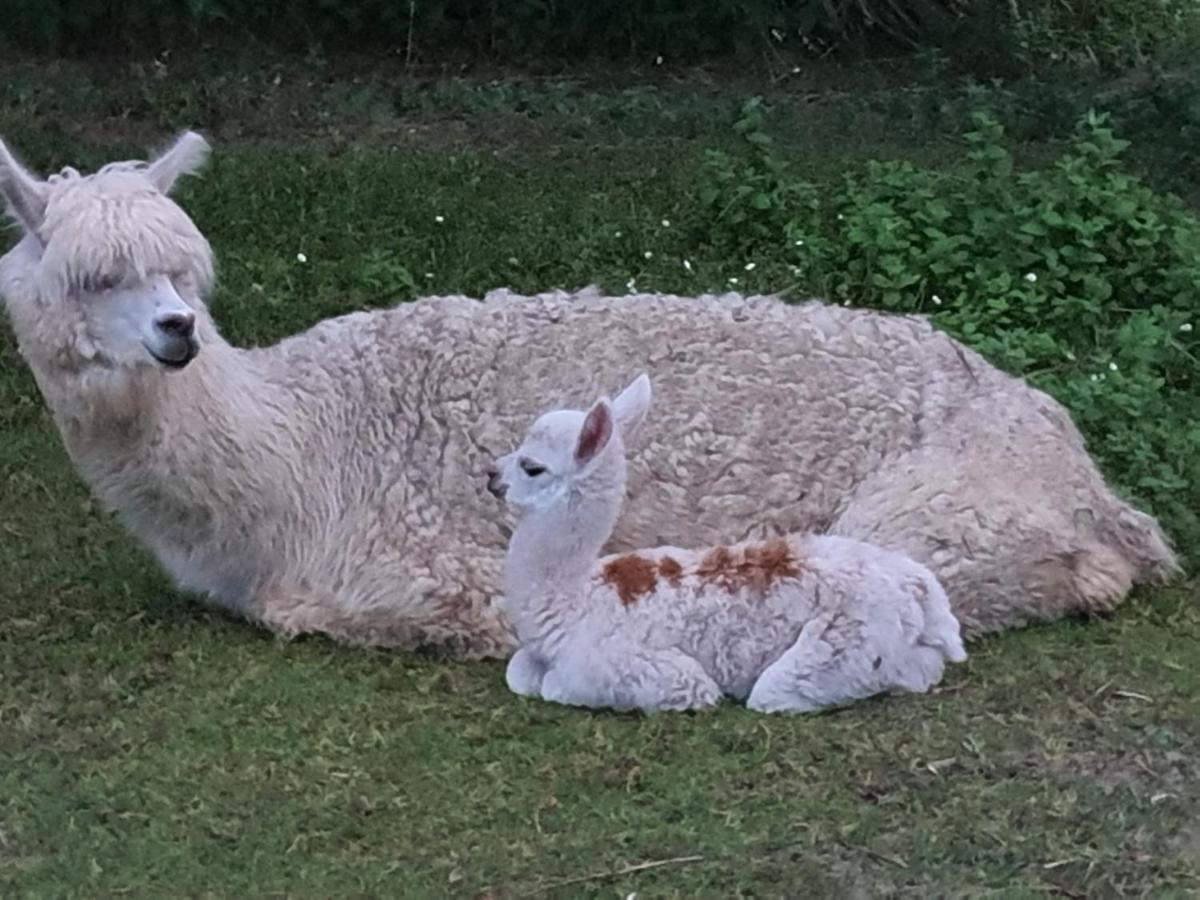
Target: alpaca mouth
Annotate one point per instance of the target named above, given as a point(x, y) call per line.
point(178, 361)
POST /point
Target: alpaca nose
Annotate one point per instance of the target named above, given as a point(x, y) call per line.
point(493, 481)
point(177, 325)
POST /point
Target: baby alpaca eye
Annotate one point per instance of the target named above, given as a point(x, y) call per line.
point(532, 469)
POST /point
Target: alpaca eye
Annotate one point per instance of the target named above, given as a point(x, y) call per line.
point(532, 469)
point(105, 283)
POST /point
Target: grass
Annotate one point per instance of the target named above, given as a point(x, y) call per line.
point(151, 747)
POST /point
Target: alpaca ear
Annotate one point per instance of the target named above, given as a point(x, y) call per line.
point(596, 432)
point(630, 407)
point(24, 194)
point(185, 157)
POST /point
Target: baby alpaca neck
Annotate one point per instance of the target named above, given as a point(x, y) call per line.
point(551, 556)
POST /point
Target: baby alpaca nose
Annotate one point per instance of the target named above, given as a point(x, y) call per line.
point(493, 481)
point(177, 325)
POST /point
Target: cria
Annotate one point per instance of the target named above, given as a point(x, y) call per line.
point(791, 624)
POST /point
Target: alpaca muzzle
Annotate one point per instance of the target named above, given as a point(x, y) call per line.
point(175, 345)
point(495, 486)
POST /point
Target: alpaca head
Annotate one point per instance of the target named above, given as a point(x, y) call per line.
point(109, 274)
point(569, 456)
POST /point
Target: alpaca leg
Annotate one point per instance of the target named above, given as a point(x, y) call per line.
point(625, 678)
point(831, 664)
point(789, 683)
point(916, 671)
point(525, 673)
point(468, 631)
point(1012, 539)
point(290, 611)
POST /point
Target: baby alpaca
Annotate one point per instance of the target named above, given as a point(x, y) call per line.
point(793, 624)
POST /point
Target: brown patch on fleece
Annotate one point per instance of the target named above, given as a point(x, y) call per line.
point(670, 570)
point(716, 568)
point(756, 567)
point(632, 576)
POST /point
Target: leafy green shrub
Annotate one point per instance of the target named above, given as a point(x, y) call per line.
point(1076, 275)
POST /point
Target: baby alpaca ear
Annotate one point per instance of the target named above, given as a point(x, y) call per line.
point(596, 432)
point(185, 157)
point(630, 407)
point(24, 194)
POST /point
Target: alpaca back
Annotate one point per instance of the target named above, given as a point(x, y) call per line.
point(736, 608)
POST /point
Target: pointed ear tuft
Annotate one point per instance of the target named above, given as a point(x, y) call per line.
point(24, 195)
point(185, 157)
point(630, 407)
point(596, 432)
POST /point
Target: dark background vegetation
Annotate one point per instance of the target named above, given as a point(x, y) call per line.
point(907, 155)
point(1004, 36)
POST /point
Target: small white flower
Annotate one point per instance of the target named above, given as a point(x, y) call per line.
point(733, 281)
point(429, 275)
point(513, 261)
point(630, 285)
point(1112, 367)
point(666, 223)
point(750, 266)
point(658, 60)
point(795, 70)
point(649, 254)
point(1185, 327)
point(800, 243)
point(617, 234)
point(1095, 377)
point(845, 303)
point(439, 219)
point(937, 301)
point(1070, 356)
point(687, 265)
point(841, 218)
point(1031, 278)
point(301, 258)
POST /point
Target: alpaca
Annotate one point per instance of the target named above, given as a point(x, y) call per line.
point(793, 624)
point(327, 483)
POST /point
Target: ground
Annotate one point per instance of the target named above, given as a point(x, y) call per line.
point(151, 747)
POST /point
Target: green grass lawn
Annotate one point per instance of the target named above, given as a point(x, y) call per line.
point(153, 748)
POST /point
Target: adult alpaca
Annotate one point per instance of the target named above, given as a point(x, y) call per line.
point(331, 483)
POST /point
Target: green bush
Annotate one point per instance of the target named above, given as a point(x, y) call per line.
point(1076, 275)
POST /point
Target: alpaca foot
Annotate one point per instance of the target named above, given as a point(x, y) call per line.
point(525, 673)
point(466, 631)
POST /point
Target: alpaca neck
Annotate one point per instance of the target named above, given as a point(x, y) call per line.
point(551, 556)
point(180, 450)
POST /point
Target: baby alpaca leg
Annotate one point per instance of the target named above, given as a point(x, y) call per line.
point(625, 678)
point(827, 666)
point(916, 671)
point(525, 672)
